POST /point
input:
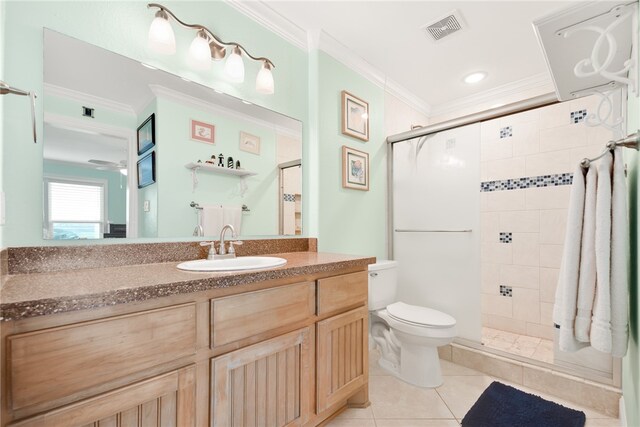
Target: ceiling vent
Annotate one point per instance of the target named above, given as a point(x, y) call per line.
point(443, 27)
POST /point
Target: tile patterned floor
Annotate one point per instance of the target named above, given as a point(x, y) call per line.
point(521, 345)
point(397, 404)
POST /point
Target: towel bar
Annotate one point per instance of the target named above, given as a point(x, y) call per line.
point(630, 141)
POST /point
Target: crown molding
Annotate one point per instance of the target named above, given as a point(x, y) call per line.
point(272, 20)
point(190, 101)
point(540, 81)
point(343, 54)
point(261, 13)
point(90, 100)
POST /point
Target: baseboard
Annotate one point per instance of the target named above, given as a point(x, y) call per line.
point(623, 412)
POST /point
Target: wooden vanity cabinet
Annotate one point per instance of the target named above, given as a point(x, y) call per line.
point(277, 354)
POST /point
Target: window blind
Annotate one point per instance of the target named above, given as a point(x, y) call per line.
point(75, 202)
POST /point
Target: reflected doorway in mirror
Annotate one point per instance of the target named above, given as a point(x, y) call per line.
point(203, 132)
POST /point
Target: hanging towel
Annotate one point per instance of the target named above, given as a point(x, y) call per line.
point(212, 220)
point(564, 310)
point(619, 259)
point(601, 320)
point(233, 215)
point(587, 278)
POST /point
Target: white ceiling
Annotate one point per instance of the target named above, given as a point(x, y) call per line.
point(498, 38)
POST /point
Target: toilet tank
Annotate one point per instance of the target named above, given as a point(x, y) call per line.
point(383, 283)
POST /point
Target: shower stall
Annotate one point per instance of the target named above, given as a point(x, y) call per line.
point(477, 222)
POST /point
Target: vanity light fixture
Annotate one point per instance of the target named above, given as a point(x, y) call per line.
point(475, 77)
point(206, 47)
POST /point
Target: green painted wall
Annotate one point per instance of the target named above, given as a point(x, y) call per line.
point(175, 149)
point(2, 158)
point(631, 362)
point(122, 28)
point(116, 183)
point(352, 221)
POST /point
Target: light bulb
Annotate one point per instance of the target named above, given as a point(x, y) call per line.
point(234, 67)
point(475, 77)
point(199, 52)
point(264, 81)
point(161, 37)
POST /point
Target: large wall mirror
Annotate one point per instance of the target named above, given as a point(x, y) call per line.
point(131, 151)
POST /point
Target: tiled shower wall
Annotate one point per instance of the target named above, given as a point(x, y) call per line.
point(527, 164)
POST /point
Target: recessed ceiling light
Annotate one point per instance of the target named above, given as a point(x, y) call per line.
point(475, 77)
point(151, 67)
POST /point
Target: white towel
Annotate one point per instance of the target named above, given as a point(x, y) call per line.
point(212, 220)
point(564, 310)
point(619, 259)
point(601, 320)
point(587, 279)
point(233, 215)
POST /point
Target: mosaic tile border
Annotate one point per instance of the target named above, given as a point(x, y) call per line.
point(527, 182)
point(506, 237)
point(289, 197)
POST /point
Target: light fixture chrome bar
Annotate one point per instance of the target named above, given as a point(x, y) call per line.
point(630, 141)
point(5, 89)
point(481, 116)
point(409, 230)
point(216, 39)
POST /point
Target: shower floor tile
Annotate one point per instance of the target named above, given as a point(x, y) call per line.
point(521, 345)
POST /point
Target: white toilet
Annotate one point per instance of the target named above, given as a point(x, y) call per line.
point(408, 335)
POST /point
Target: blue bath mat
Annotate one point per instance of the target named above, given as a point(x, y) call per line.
point(504, 406)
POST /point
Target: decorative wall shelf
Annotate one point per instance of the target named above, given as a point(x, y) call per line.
point(219, 169)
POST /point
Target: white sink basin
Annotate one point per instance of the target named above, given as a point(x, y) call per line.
point(233, 264)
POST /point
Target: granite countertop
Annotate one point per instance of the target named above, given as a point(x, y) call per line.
point(30, 295)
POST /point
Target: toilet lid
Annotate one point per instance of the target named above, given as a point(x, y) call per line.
point(420, 315)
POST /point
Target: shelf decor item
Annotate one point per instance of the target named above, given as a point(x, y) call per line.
point(147, 170)
point(147, 134)
point(250, 143)
point(355, 169)
point(203, 132)
point(355, 116)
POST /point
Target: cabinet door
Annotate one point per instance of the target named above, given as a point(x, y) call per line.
point(342, 356)
point(266, 384)
point(166, 400)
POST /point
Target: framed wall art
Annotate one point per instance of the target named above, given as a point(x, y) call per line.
point(249, 143)
point(147, 134)
point(355, 169)
point(147, 170)
point(355, 116)
point(203, 132)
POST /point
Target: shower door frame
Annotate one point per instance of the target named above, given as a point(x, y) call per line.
point(494, 113)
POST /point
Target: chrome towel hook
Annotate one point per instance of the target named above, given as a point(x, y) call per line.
point(5, 89)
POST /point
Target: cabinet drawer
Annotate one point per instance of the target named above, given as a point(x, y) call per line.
point(246, 315)
point(55, 363)
point(165, 400)
point(339, 293)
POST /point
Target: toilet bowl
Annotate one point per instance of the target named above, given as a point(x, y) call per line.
point(408, 336)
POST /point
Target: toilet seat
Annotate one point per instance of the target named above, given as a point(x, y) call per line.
point(420, 316)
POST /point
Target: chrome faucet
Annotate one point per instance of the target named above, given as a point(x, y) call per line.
point(223, 250)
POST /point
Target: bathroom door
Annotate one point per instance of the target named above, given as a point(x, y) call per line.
point(436, 220)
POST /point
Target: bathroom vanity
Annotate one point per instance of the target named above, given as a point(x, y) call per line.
point(149, 345)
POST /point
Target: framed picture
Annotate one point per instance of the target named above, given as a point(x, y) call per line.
point(147, 134)
point(249, 143)
point(355, 169)
point(147, 170)
point(355, 116)
point(203, 132)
